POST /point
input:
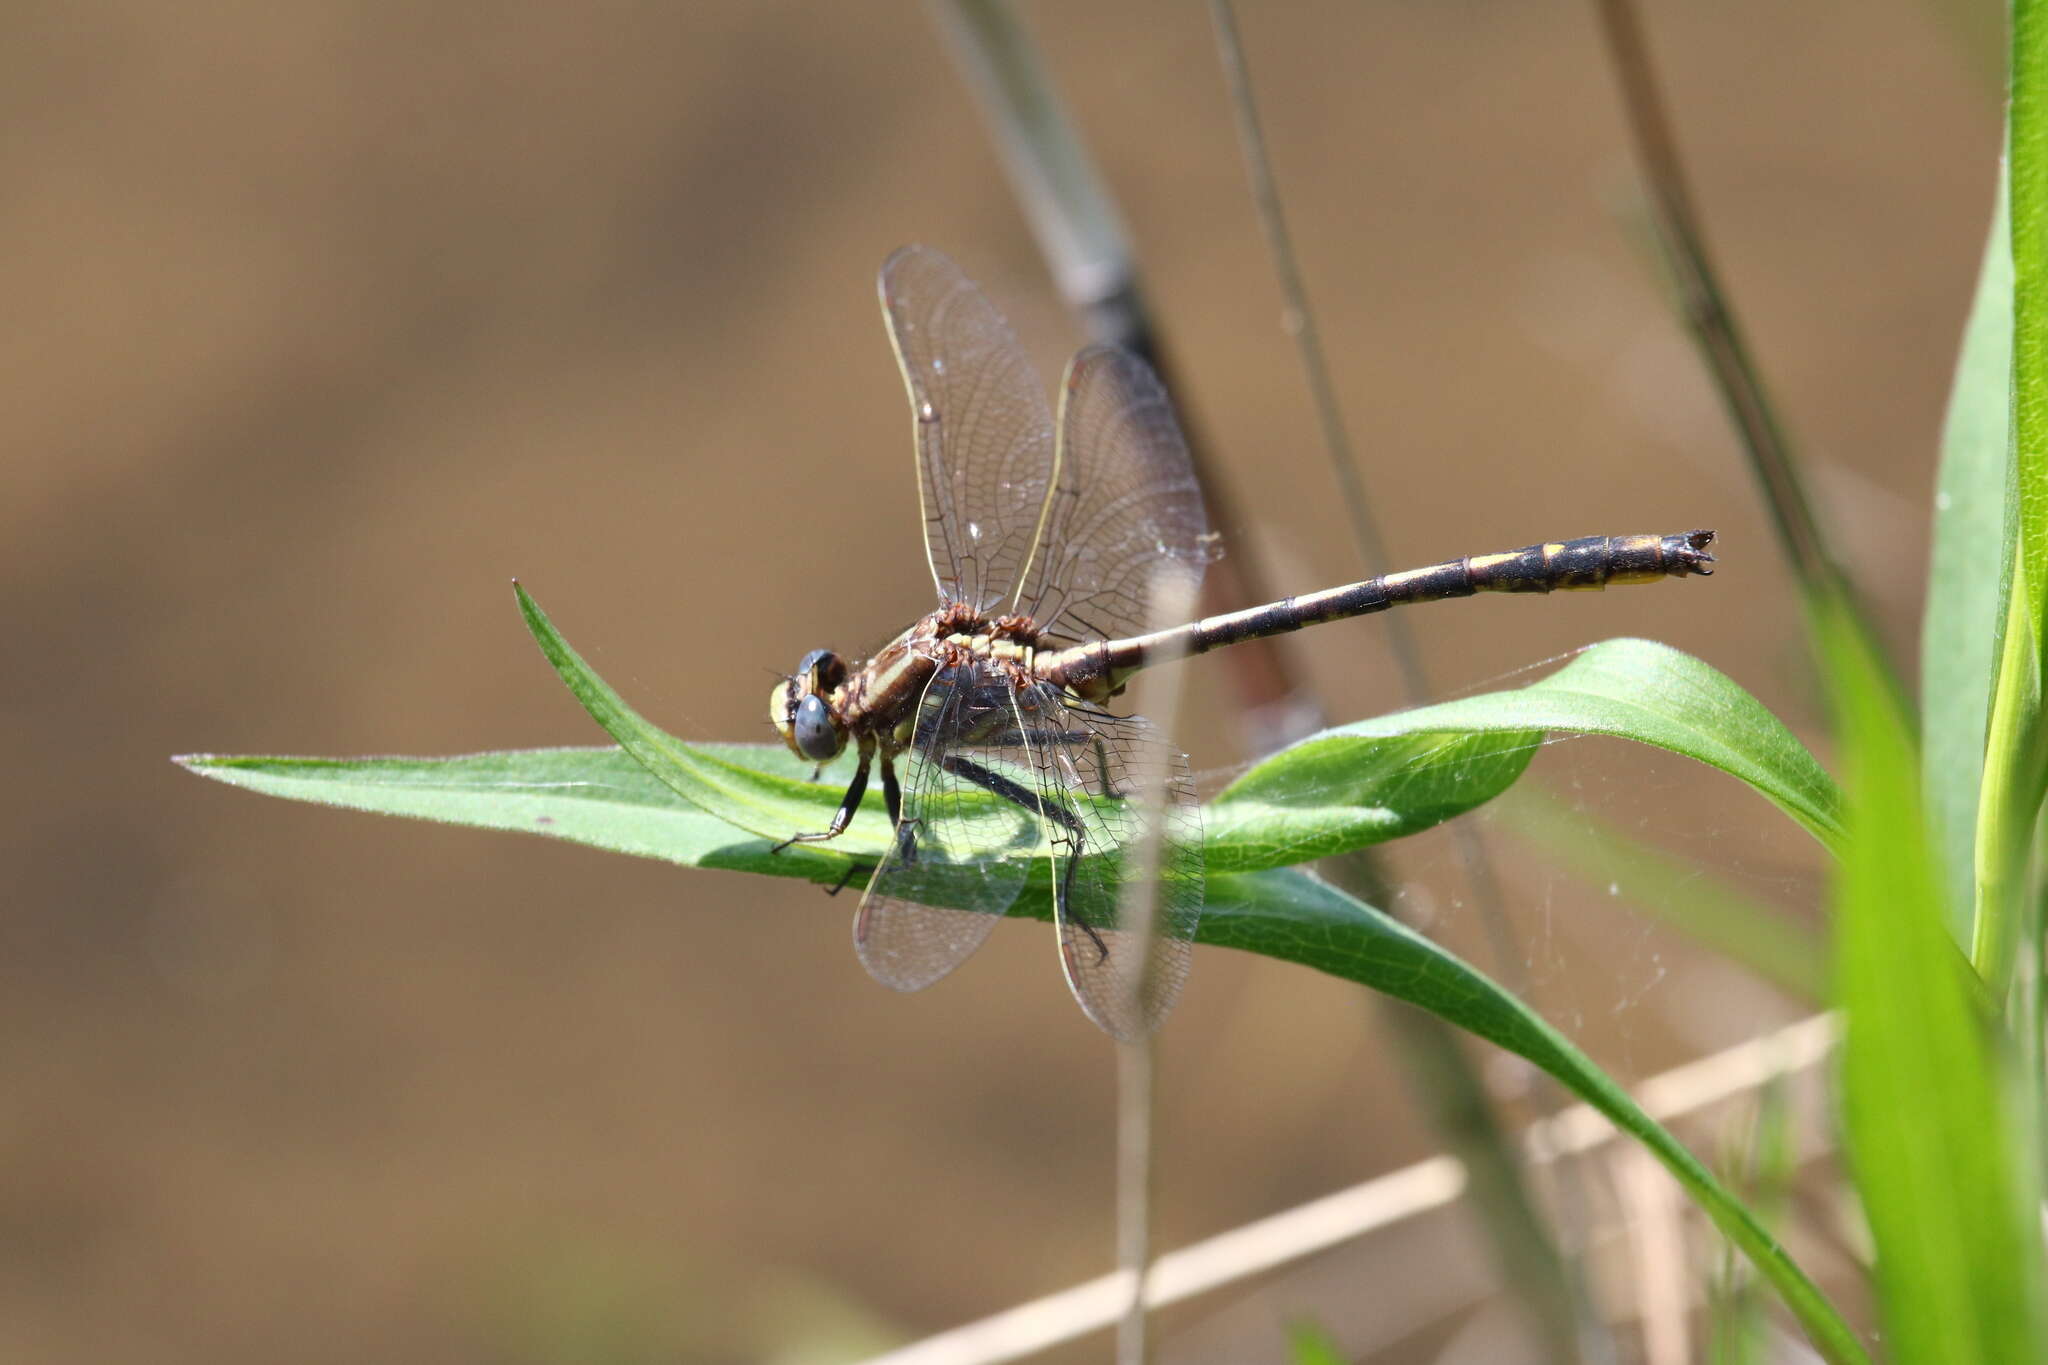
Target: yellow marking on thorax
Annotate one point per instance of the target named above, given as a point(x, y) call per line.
point(1001, 651)
point(877, 684)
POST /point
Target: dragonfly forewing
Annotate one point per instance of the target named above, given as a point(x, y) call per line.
point(1125, 522)
point(962, 850)
point(984, 429)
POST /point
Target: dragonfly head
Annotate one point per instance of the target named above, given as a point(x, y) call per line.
point(801, 709)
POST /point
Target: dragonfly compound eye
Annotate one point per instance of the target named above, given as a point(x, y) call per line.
point(817, 738)
point(824, 669)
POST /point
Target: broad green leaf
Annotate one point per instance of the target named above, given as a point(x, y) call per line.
point(602, 797)
point(1288, 914)
point(605, 797)
point(1339, 791)
point(1315, 801)
point(1930, 1129)
point(1959, 628)
point(1631, 689)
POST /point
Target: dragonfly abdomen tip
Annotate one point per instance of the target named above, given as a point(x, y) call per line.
point(1690, 553)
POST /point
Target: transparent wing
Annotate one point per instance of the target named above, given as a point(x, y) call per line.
point(961, 851)
point(1125, 519)
point(1099, 776)
point(984, 429)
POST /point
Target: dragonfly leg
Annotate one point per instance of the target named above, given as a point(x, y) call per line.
point(841, 884)
point(1075, 833)
point(1013, 792)
point(842, 817)
point(892, 797)
point(1067, 899)
point(1107, 786)
point(1102, 771)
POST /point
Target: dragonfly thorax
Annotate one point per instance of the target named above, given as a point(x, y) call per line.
point(827, 701)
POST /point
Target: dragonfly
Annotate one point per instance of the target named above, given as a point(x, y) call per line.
point(1050, 537)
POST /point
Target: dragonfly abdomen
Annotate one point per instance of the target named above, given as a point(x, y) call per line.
point(1588, 563)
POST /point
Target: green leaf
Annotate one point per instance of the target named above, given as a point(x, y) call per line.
point(1290, 915)
point(1959, 628)
point(1631, 689)
point(1339, 791)
point(602, 797)
point(2028, 168)
point(1931, 1130)
point(1317, 800)
point(2016, 742)
point(606, 798)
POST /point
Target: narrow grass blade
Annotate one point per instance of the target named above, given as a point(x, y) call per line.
point(2016, 750)
point(1926, 1103)
point(2028, 171)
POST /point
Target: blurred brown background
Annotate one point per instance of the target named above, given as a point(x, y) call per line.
point(327, 319)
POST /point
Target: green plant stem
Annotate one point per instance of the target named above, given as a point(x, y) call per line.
point(2015, 770)
point(2015, 765)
